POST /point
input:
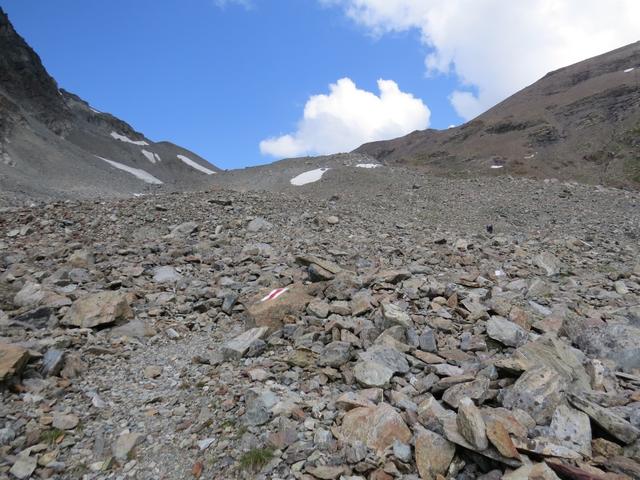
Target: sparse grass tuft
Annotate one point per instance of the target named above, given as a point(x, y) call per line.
point(50, 436)
point(255, 459)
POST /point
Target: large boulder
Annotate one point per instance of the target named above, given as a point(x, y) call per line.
point(270, 307)
point(102, 308)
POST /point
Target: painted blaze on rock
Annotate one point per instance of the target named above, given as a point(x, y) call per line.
point(270, 307)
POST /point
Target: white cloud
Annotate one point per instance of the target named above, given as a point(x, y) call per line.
point(348, 117)
point(496, 47)
point(248, 4)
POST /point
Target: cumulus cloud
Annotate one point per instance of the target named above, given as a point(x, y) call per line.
point(496, 47)
point(348, 117)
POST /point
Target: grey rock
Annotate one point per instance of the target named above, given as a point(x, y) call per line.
point(259, 403)
point(372, 374)
point(427, 341)
point(394, 315)
point(471, 425)
point(236, 348)
point(258, 224)
point(538, 392)
point(24, 466)
point(335, 354)
point(387, 356)
point(572, 429)
point(125, 443)
point(52, 362)
point(506, 332)
point(548, 262)
point(166, 274)
point(612, 423)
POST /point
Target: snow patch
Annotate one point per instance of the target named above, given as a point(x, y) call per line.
point(158, 159)
point(150, 155)
point(126, 139)
point(95, 111)
point(136, 172)
point(195, 165)
point(629, 69)
point(368, 165)
point(496, 166)
point(308, 177)
point(528, 157)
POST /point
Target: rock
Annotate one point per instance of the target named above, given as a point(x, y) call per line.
point(433, 453)
point(333, 220)
point(259, 403)
point(471, 425)
point(617, 342)
point(237, 348)
point(319, 274)
point(476, 390)
point(98, 309)
point(166, 274)
point(506, 332)
point(125, 443)
point(361, 398)
point(134, 329)
point(318, 309)
point(402, 451)
point(324, 472)
point(376, 427)
point(387, 356)
point(152, 371)
point(500, 439)
point(548, 262)
point(24, 466)
point(572, 429)
point(31, 294)
point(270, 307)
point(258, 224)
point(427, 341)
point(183, 230)
point(52, 362)
point(309, 260)
point(81, 259)
point(607, 420)
point(372, 374)
point(538, 392)
point(65, 422)
point(13, 359)
point(394, 315)
point(537, 471)
point(335, 354)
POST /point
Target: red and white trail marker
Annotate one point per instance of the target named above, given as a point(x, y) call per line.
point(275, 294)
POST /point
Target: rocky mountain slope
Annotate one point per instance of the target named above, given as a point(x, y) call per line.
point(581, 123)
point(459, 328)
point(53, 143)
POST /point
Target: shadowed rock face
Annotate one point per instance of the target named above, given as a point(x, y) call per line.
point(581, 122)
point(52, 143)
point(24, 79)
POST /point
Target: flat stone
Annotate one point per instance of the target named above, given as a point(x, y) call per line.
point(24, 466)
point(609, 421)
point(53, 362)
point(259, 404)
point(258, 224)
point(335, 354)
point(433, 453)
point(326, 473)
point(65, 422)
point(166, 274)
point(13, 359)
point(236, 348)
point(372, 374)
point(125, 443)
point(367, 397)
point(471, 425)
point(270, 307)
point(152, 371)
point(475, 390)
point(387, 356)
point(547, 262)
point(394, 315)
point(546, 447)
point(572, 429)
point(500, 439)
point(506, 332)
point(97, 309)
point(538, 392)
point(377, 427)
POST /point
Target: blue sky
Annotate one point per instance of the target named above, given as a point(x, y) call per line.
point(221, 80)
